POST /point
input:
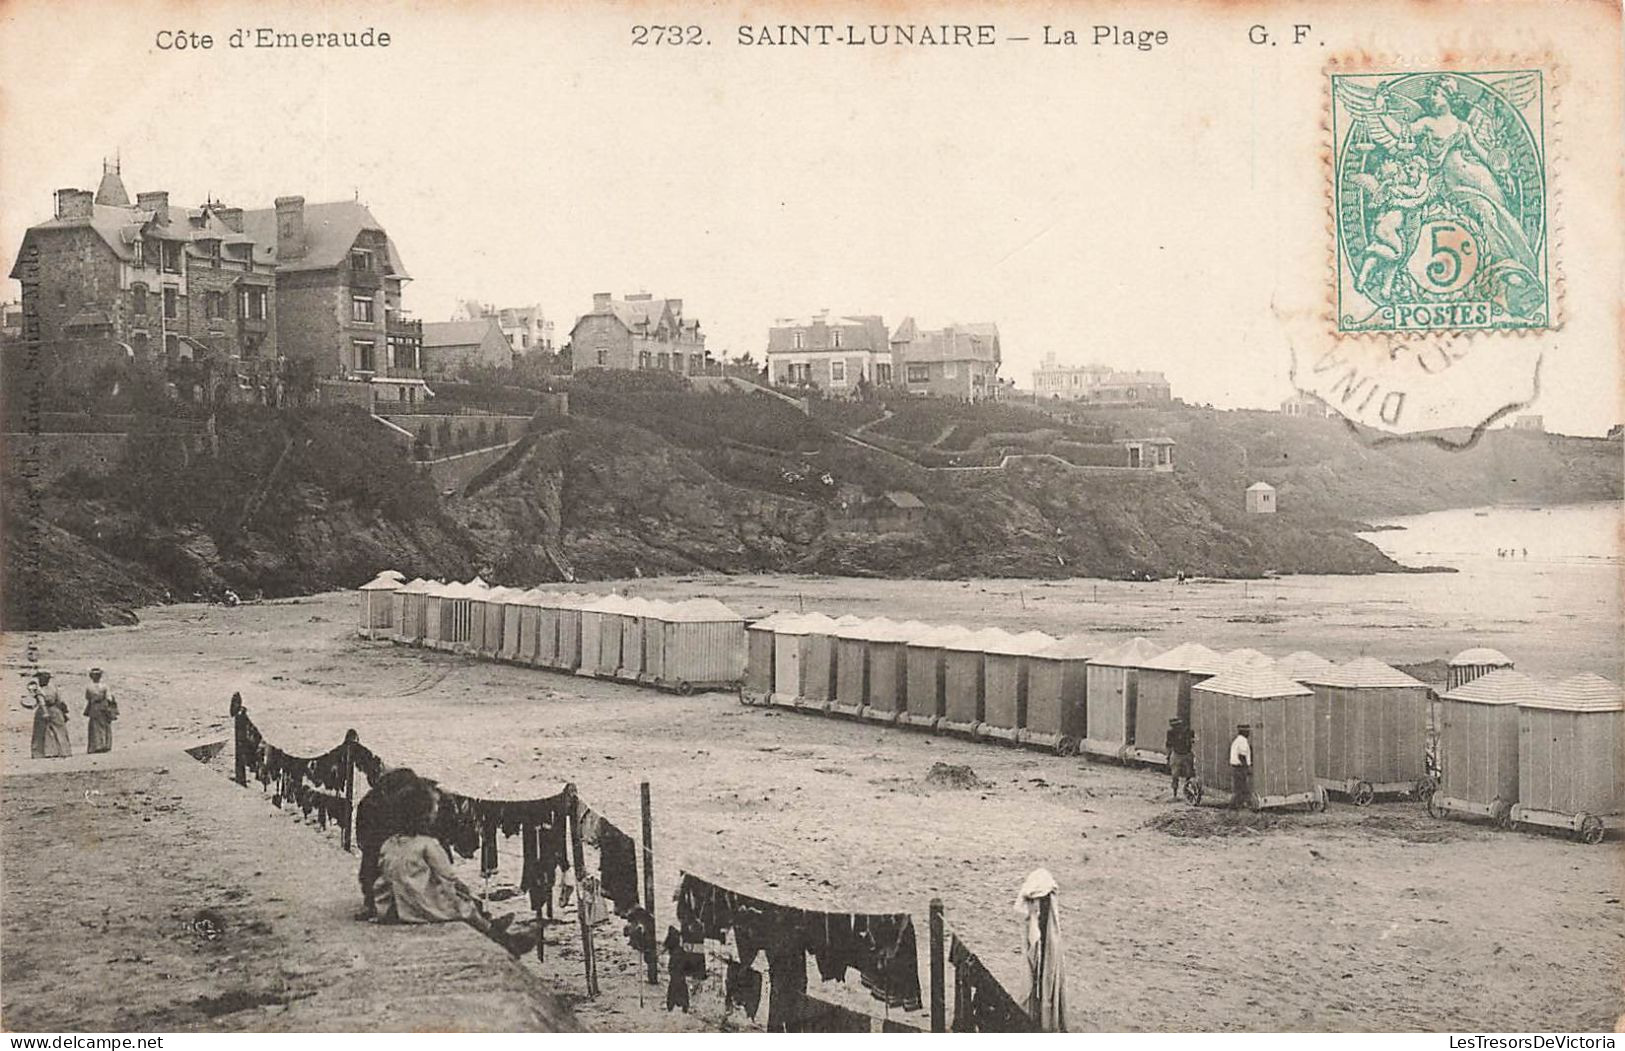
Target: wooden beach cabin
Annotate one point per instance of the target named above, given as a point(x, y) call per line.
point(544, 642)
point(698, 645)
point(404, 600)
point(1469, 664)
point(601, 636)
point(567, 610)
point(378, 607)
point(1281, 714)
point(888, 669)
point(926, 693)
point(635, 615)
point(851, 643)
point(433, 599)
point(759, 644)
point(1478, 746)
point(487, 640)
point(513, 604)
point(1164, 693)
point(1571, 757)
point(1007, 683)
point(964, 682)
point(820, 662)
point(1113, 689)
point(415, 611)
point(1058, 694)
point(792, 645)
point(1371, 725)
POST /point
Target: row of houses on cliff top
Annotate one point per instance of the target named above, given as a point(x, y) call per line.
point(241, 288)
point(841, 354)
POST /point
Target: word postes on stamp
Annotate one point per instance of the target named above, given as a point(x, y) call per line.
point(1440, 192)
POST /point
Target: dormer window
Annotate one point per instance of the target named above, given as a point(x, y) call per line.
point(361, 260)
point(835, 336)
point(171, 256)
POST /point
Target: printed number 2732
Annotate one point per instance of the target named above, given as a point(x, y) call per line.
point(674, 36)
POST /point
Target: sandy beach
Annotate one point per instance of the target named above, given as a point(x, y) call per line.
point(1371, 919)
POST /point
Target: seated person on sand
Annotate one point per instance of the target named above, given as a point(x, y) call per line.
point(376, 819)
point(416, 883)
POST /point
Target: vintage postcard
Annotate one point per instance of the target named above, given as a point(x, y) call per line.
point(779, 517)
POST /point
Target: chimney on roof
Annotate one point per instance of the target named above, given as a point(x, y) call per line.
point(290, 228)
point(639, 297)
point(156, 202)
point(232, 217)
point(600, 302)
point(75, 204)
point(111, 191)
point(676, 306)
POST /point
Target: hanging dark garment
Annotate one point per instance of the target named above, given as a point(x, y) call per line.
point(787, 979)
point(981, 1004)
point(618, 868)
point(880, 946)
point(679, 966)
point(743, 988)
point(488, 847)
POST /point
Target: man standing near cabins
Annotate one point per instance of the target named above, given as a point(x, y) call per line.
point(1181, 748)
point(1241, 767)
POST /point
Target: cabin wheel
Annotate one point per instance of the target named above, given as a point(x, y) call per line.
point(1501, 813)
point(1591, 829)
point(1066, 747)
point(1318, 803)
point(1424, 788)
point(1436, 807)
point(1364, 793)
point(1193, 792)
point(684, 687)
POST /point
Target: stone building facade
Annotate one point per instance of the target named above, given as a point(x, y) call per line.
point(638, 332)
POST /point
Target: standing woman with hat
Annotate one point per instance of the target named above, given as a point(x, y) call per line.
point(50, 718)
point(100, 709)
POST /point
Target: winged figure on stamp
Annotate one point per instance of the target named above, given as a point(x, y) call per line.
point(1439, 153)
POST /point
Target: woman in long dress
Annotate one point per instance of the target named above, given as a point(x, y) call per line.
point(50, 720)
point(100, 711)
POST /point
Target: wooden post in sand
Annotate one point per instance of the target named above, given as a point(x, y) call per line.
point(651, 954)
point(351, 740)
point(239, 718)
point(579, 860)
point(939, 992)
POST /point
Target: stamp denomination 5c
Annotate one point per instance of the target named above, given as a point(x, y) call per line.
point(1440, 196)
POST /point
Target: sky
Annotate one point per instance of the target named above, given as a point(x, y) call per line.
point(1145, 209)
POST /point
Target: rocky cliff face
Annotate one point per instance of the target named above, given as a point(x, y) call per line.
point(672, 483)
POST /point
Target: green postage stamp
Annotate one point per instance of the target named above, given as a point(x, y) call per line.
point(1440, 197)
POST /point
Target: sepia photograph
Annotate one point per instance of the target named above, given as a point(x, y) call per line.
point(697, 517)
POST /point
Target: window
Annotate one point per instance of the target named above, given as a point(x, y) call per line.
point(918, 373)
point(172, 346)
point(524, 340)
point(800, 340)
point(172, 302)
point(882, 373)
point(1133, 392)
point(214, 304)
point(360, 259)
point(665, 361)
point(140, 251)
point(835, 337)
point(365, 352)
point(837, 372)
point(361, 308)
point(950, 370)
point(172, 256)
point(251, 303)
point(140, 294)
point(139, 344)
point(603, 357)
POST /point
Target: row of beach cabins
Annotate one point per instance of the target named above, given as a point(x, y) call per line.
point(1507, 747)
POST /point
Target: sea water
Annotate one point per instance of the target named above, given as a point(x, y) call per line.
point(1471, 539)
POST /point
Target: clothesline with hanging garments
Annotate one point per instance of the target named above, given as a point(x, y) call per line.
point(553, 830)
